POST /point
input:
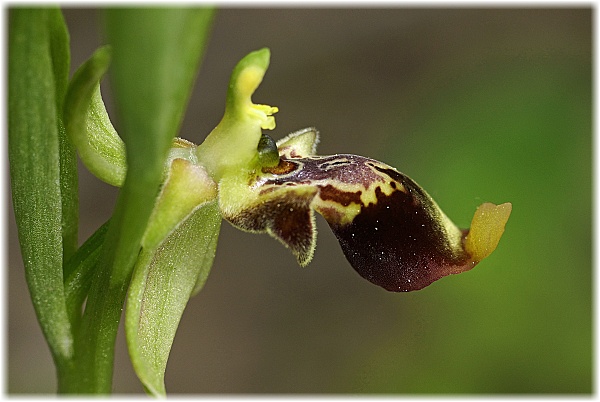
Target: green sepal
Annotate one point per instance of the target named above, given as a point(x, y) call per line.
point(163, 281)
point(88, 126)
point(187, 187)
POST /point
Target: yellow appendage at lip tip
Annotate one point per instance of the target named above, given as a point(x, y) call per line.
point(486, 230)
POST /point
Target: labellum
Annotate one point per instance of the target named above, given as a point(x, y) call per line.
point(390, 230)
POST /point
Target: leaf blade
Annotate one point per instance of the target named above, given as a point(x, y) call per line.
point(156, 56)
point(61, 61)
point(36, 175)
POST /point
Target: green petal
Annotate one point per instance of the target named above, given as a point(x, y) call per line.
point(299, 144)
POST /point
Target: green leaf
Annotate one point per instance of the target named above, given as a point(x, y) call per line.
point(156, 53)
point(61, 61)
point(164, 279)
point(36, 84)
point(101, 149)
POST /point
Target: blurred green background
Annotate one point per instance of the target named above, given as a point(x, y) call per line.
point(475, 105)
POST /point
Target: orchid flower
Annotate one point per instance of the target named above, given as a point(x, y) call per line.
point(390, 230)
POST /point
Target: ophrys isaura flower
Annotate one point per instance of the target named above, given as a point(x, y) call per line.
point(389, 228)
